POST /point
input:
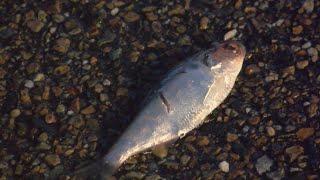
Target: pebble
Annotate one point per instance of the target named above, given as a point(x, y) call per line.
point(114, 11)
point(230, 34)
point(313, 52)
point(308, 5)
point(302, 64)
point(203, 141)
point(50, 118)
point(294, 152)
point(231, 137)
point(271, 132)
point(35, 25)
point(61, 70)
point(304, 133)
point(297, 30)
point(15, 113)
point(185, 159)
point(204, 21)
point(160, 151)
point(52, 159)
point(252, 69)
point(88, 110)
point(263, 164)
point(131, 17)
point(306, 45)
point(135, 175)
point(62, 45)
point(224, 166)
point(29, 84)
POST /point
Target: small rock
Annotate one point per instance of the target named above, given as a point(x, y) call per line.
point(308, 5)
point(255, 120)
point(6, 33)
point(224, 166)
point(52, 159)
point(62, 45)
point(271, 132)
point(185, 159)
point(131, 17)
point(25, 97)
point(39, 77)
point(114, 11)
point(297, 30)
point(313, 52)
point(33, 68)
point(19, 169)
point(135, 175)
point(160, 151)
point(43, 137)
point(61, 70)
point(252, 69)
point(231, 137)
point(306, 45)
point(230, 34)
point(204, 21)
point(50, 118)
point(312, 110)
point(35, 25)
point(294, 152)
point(88, 110)
point(290, 70)
point(203, 141)
point(29, 84)
point(302, 64)
point(15, 113)
point(122, 92)
point(304, 133)
point(263, 164)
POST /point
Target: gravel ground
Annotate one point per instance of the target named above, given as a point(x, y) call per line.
point(72, 74)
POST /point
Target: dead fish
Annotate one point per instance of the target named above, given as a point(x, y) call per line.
point(189, 93)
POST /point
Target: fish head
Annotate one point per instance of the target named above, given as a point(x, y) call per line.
point(227, 56)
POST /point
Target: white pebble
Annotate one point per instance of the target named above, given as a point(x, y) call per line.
point(306, 45)
point(29, 84)
point(224, 166)
point(230, 34)
point(114, 11)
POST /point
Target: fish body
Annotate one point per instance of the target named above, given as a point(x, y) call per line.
point(189, 93)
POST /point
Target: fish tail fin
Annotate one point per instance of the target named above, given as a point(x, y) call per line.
point(97, 170)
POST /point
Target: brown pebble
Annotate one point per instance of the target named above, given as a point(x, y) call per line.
point(15, 113)
point(255, 120)
point(131, 17)
point(271, 131)
point(35, 25)
point(160, 151)
point(297, 30)
point(294, 152)
point(304, 133)
point(88, 110)
point(62, 45)
point(203, 141)
point(231, 137)
point(204, 21)
point(61, 70)
point(52, 159)
point(50, 118)
point(252, 69)
point(302, 64)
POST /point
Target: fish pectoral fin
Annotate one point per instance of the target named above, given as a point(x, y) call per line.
point(165, 101)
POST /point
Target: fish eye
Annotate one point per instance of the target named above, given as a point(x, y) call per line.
point(232, 47)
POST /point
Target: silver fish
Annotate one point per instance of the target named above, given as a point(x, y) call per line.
point(189, 93)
